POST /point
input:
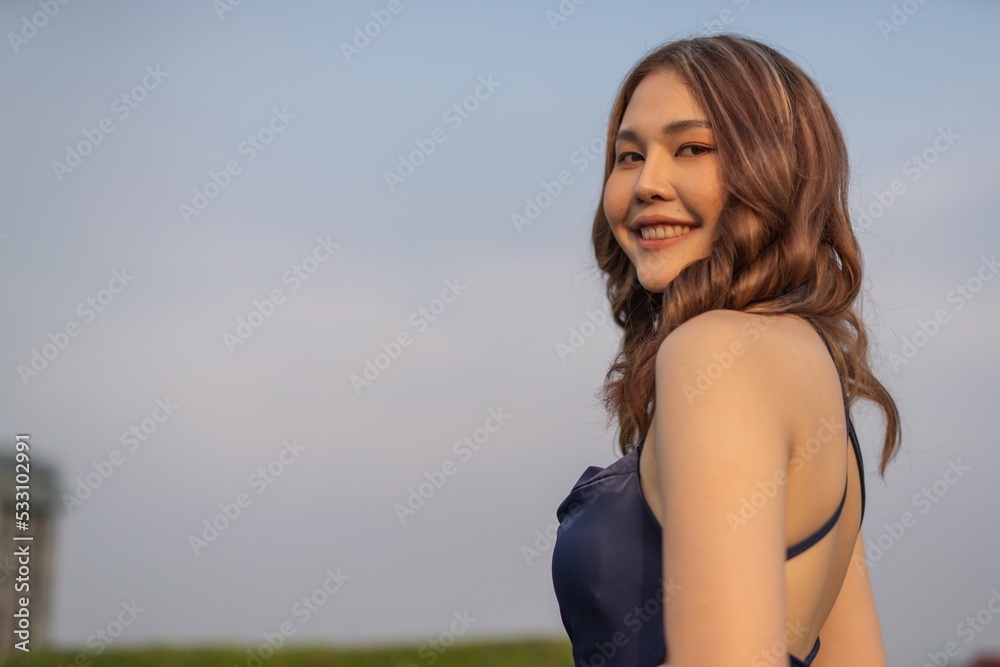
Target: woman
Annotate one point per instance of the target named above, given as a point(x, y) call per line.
point(734, 537)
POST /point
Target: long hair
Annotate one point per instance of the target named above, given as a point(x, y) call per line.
point(783, 242)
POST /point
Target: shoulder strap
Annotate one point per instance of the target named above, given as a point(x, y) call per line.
point(852, 435)
point(820, 533)
point(859, 457)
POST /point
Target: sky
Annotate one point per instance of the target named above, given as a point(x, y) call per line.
point(271, 274)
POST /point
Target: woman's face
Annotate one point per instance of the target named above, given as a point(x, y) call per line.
point(665, 166)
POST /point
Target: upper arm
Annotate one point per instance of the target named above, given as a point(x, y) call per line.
point(721, 438)
point(851, 634)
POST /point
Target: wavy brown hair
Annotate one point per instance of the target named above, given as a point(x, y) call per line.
point(783, 243)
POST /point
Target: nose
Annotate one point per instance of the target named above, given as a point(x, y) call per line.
point(654, 181)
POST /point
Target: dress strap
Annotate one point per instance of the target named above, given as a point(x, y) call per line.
point(821, 334)
point(852, 435)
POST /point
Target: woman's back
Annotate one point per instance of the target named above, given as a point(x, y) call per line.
point(607, 563)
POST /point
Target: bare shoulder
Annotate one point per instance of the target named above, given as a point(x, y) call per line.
point(732, 363)
point(724, 334)
point(780, 356)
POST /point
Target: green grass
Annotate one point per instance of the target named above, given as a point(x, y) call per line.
point(530, 653)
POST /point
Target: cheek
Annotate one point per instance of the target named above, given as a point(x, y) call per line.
point(615, 200)
point(705, 196)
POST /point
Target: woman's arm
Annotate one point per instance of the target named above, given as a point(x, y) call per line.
point(851, 634)
point(721, 435)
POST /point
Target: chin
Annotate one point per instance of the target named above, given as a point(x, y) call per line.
point(655, 284)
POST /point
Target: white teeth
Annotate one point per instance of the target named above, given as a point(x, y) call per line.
point(652, 232)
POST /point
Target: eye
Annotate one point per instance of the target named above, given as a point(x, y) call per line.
point(621, 158)
point(706, 149)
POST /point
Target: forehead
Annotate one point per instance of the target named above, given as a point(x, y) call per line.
point(660, 97)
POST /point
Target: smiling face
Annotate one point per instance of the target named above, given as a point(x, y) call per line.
point(665, 172)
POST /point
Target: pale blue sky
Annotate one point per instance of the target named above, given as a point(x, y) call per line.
point(385, 254)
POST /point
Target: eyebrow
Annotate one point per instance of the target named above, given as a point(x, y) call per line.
point(675, 127)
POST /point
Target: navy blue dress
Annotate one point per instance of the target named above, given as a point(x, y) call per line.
point(607, 566)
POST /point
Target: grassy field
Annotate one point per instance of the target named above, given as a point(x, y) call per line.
point(534, 653)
